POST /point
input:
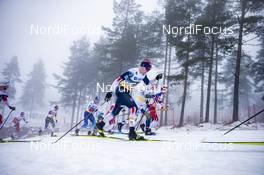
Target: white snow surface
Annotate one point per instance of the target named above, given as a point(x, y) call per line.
point(182, 154)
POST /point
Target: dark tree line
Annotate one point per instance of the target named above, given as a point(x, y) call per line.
point(244, 17)
point(217, 62)
point(132, 37)
point(33, 89)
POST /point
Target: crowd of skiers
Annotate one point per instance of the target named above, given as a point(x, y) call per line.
point(140, 103)
point(17, 119)
point(137, 105)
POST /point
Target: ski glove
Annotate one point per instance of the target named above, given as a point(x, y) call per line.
point(108, 96)
point(159, 76)
point(12, 108)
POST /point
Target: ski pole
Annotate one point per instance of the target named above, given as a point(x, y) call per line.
point(6, 119)
point(244, 121)
point(137, 125)
point(75, 126)
point(139, 122)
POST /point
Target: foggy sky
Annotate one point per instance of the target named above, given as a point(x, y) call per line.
point(16, 18)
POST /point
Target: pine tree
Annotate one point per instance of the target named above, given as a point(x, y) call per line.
point(215, 12)
point(79, 76)
point(123, 35)
point(183, 14)
point(257, 69)
point(34, 89)
point(151, 40)
point(246, 86)
point(248, 21)
point(11, 74)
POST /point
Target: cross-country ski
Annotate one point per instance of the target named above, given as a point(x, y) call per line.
point(134, 87)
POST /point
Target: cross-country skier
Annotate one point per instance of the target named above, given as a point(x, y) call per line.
point(122, 87)
point(16, 122)
point(112, 121)
point(153, 104)
point(51, 119)
point(89, 116)
point(4, 99)
point(100, 124)
point(147, 100)
point(121, 120)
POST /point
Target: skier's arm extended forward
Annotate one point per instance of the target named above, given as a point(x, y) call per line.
point(116, 84)
point(5, 100)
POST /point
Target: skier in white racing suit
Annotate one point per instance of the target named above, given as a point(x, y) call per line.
point(122, 86)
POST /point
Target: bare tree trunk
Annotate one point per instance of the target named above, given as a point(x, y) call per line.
point(78, 107)
point(202, 85)
point(73, 107)
point(202, 94)
point(165, 74)
point(186, 70)
point(207, 113)
point(238, 63)
point(168, 86)
point(208, 98)
point(31, 107)
point(215, 83)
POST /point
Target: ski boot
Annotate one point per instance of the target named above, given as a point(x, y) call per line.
point(53, 135)
point(94, 133)
point(13, 137)
point(76, 132)
point(101, 133)
point(119, 126)
point(100, 126)
point(40, 132)
point(132, 135)
point(110, 132)
point(142, 126)
point(148, 132)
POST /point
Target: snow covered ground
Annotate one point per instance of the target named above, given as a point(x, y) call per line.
point(184, 154)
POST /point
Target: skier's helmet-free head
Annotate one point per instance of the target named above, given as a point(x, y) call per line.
point(4, 86)
point(146, 64)
point(164, 89)
point(158, 99)
point(56, 107)
point(22, 113)
point(97, 99)
point(100, 116)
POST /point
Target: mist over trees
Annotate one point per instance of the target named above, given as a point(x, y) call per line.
point(79, 77)
point(34, 88)
point(209, 51)
point(11, 74)
point(216, 62)
point(214, 70)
